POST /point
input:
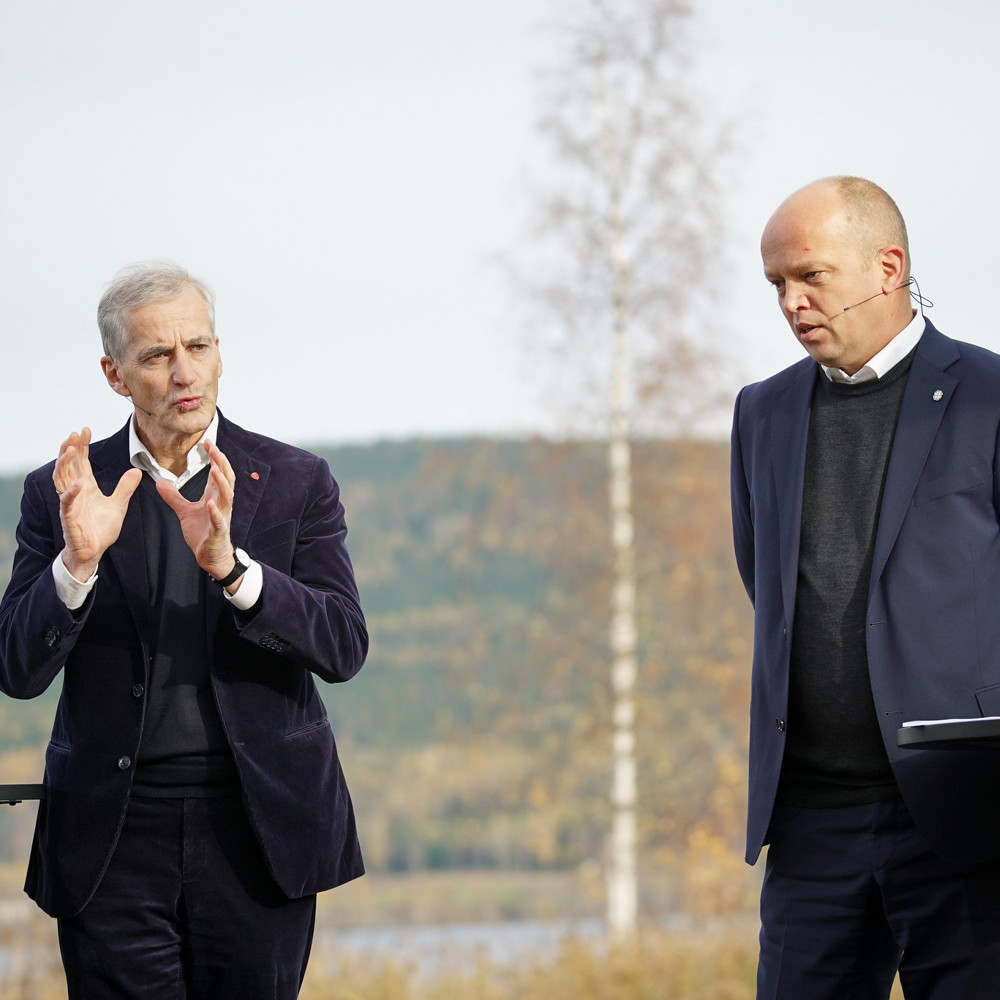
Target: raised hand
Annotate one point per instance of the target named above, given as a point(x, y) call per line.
point(91, 521)
point(205, 522)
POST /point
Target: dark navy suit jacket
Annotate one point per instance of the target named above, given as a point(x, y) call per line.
point(933, 617)
point(287, 515)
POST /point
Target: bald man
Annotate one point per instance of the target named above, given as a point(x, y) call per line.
point(866, 491)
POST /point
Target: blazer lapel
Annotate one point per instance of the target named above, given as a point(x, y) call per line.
point(929, 389)
point(251, 477)
point(789, 437)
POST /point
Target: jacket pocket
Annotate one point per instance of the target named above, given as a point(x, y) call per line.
point(988, 699)
point(956, 482)
point(276, 536)
point(274, 546)
point(307, 728)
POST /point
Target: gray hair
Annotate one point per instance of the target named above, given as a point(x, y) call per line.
point(139, 285)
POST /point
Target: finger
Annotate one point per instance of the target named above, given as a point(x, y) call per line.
point(218, 536)
point(223, 487)
point(60, 480)
point(69, 494)
point(83, 452)
point(64, 471)
point(70, 441)
point(73, 460)
point(218, 458)
point(127, 485)
point(220, 528)
point(171, 495)
point(216, 516)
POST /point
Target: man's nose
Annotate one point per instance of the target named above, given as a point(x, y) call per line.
point(183, 373)
point(795, 298)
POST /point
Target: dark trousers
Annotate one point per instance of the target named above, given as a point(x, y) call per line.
point(187, 911)
point(853, 893)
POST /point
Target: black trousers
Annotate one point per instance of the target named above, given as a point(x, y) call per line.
point(852, 894)
point(187, 911)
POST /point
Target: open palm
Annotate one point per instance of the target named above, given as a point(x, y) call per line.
point(91, 522)
point(205, 522)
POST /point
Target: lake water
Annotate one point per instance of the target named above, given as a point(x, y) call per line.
point(431, 947)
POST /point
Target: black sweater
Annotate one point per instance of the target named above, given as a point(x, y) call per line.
point(834, 753)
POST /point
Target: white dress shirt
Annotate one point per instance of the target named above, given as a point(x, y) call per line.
point(887, 358)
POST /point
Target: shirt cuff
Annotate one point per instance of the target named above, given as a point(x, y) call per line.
point(250, 588)
point(68, 588)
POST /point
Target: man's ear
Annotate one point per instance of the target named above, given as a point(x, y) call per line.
point(892, 264)
point(112, 372)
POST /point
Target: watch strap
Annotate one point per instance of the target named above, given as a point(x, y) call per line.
point(239, 568)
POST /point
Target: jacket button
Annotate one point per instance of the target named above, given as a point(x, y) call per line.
point(124, 763)
point(51, 636)
point(137, 690)
point(780, 723)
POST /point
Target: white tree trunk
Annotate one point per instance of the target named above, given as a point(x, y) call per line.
point(622, 879)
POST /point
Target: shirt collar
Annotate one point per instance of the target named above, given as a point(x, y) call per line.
point(887, 358)
point(197, 457)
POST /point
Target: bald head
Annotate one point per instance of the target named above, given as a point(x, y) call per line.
point(872, 220)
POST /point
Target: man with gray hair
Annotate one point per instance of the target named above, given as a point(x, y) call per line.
point(189, 579)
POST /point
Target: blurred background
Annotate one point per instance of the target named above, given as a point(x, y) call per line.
point(428, 227)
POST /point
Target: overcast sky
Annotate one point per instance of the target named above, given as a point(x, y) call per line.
point(344, 174)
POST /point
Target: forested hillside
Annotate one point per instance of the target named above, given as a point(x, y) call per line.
point(477, 734)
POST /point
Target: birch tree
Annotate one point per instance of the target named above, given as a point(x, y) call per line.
point(626, 229)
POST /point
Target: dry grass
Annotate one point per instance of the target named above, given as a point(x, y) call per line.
point(658, 966)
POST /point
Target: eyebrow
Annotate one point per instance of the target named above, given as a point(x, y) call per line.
point(151, 350)
point(804, 267)
point(160, 348)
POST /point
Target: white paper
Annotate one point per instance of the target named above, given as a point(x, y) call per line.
point(942, 722)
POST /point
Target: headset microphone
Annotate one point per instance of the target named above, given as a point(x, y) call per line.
point(870, 297)
point(920, 299)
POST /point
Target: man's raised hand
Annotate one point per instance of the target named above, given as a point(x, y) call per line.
point(205, 522)
point(91, 521)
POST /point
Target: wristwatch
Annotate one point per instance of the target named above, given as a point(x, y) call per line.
point(240, 566)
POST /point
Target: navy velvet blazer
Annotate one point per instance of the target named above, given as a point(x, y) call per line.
point(287, 515)
point(933, 617)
